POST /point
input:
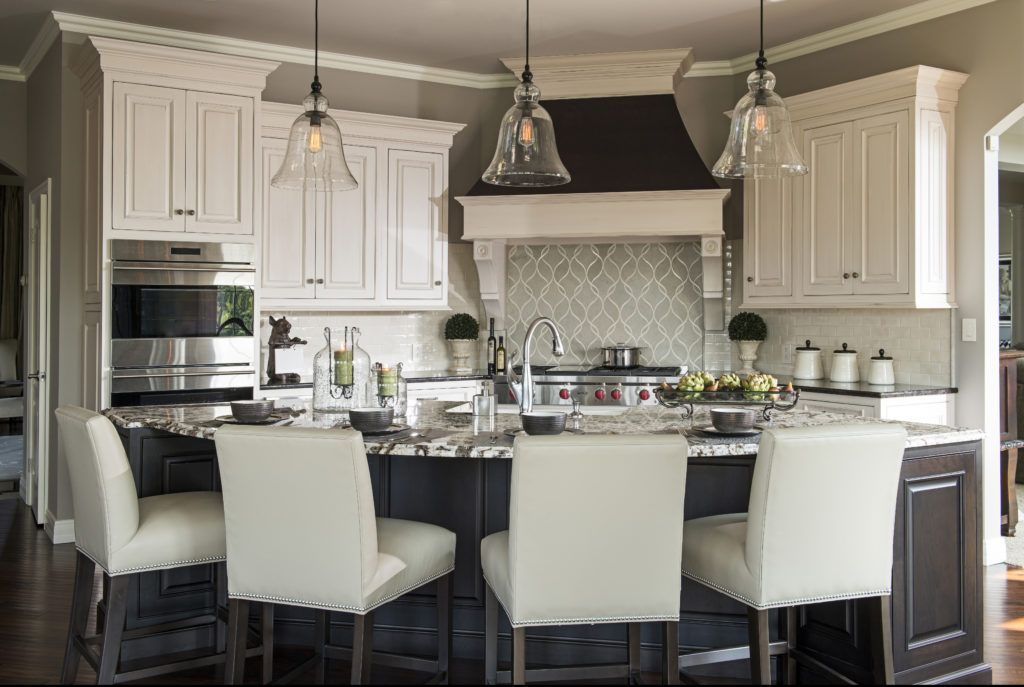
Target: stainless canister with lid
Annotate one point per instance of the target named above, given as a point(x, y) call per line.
point(880, 369)
point(807, 364)
point(844, 365)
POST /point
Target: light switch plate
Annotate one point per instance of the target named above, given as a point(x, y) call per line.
point(969, 329)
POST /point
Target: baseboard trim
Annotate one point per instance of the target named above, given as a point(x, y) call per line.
point(995, 551)
point(59, 531)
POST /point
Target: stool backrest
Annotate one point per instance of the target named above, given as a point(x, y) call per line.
point(102, 485)
point(8, 359)
point(298, 513)
point(596, 527)
point(822, 509)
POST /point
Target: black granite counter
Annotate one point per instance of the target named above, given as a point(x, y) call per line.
point(863, 389)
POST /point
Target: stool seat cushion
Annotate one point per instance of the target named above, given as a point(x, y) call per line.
point(410, 554)
point(175, 530)
point(713, 554)
point(495, 562)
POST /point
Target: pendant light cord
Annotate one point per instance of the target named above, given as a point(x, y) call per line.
point(761, 62)
point(316, 46)
point(527, 74)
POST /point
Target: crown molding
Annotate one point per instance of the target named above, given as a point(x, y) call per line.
point(62, 21)
point(277, 119)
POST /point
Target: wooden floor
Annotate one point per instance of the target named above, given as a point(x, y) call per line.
point(35, 590)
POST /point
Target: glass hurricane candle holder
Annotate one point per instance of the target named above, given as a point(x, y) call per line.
point(390, 389)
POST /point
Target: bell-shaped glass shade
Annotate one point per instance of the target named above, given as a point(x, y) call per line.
point(526, 154)
point(314, 159)
point(761, 135)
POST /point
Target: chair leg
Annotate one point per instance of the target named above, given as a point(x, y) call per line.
point(220, 627)
point(670, 653)
point(362, 649)
point(267, 638)
point(117, 608)
point(792, 627)
point(634, 651)
point(321, 637)
point(491, 638)
point(760, 662)
point(81, 596)
point(238, 627)
point(445, 600)
point(881, 640)
point(518, 655)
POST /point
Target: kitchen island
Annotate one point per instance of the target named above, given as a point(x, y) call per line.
point(453, 470)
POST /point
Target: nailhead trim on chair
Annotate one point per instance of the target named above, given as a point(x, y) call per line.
point(340, 607)
point(788, 603)
point(161, 566)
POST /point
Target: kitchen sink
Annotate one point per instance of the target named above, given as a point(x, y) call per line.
point(513, 409)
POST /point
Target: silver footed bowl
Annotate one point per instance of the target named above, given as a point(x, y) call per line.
point(252, 411)
point(732, 419)
point(536, 423)
point(371, 419)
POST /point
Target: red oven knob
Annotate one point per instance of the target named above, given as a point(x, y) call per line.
point(599, 394)
point(616, 394)
point(644, 394)
point(564, 394)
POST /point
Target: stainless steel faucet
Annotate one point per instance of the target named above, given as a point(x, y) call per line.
point(522, 385)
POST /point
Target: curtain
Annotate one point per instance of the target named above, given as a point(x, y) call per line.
point(11, 219)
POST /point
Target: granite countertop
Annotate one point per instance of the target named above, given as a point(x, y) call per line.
point(444, 434)
point(411, 376)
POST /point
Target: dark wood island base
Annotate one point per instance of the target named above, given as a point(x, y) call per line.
point(937, 584)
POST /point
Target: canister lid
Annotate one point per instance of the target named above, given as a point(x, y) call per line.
point(807, 346)
point(881, 355)
point(844, 350)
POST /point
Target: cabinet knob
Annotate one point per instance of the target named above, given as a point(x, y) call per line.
point(179, 211)
point(319, 281)
point(437, 283)
point(846, 275)
point(750, 279)
point(190, 212)
point(856, 275)
point(309, 281)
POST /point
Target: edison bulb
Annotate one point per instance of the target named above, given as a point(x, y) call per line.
point(315, 142)
point(760, 119)
point(527, 134)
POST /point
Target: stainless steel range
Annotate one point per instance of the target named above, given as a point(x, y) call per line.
point(559, 385)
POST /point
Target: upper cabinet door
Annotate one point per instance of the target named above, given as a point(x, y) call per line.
point(288, 246)
point(768, 252)
point(416, 237)
point(347, 242)
point(149, 158)
point(219, 140)
point(826, 210)
point(881, 189)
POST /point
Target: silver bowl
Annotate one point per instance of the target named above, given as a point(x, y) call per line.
point(371, 419)
point(732, 419)
point(252, 411)
point(543, 423)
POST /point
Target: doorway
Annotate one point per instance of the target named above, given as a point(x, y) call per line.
point(12, 406)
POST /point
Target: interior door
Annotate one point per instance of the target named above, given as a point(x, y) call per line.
point(36, 351)
point(347, 241)
point(416, 255)
point(288, 243)
point(826, 209)
point(881, 183)
point(149, 158)
point(218, 183)
point(768, 256)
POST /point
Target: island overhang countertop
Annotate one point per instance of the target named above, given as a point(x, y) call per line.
point(434, 431)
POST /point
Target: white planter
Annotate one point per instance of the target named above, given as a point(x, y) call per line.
point(462, 354)
point(748, 354)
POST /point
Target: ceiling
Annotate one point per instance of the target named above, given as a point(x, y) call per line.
point(466, 35)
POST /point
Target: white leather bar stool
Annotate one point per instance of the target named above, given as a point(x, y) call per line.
point(125, 536)
point(302, 531)
point(819, 528)
point(594, 537)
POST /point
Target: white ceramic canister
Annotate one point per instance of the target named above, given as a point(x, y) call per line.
point(808, 362)
point(844, 365)
point(880, 370)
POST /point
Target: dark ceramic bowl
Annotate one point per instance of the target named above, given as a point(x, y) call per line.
point(252, 411)
point(543, 423)
point(732, 419)
point(371, 419)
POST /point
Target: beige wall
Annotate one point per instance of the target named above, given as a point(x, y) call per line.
point(14, 125)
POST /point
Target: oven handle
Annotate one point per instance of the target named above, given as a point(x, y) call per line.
point(178, 267)
point(240, 371)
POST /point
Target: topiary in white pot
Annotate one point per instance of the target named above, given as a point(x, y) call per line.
point(462, 332)
point(748, 330)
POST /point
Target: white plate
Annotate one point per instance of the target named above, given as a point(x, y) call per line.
point(711, 431)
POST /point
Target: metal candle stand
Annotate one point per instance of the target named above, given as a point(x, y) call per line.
point(340, 390)
point(770, 400)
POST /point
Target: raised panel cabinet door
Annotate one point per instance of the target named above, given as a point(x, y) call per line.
point(92, 205)
point(149, 158)
point(347, 243)
point(288, 267)
point(92, 342)
point(218, 186)
point(416, 237)
point(826, 210)
point(881, 191)
point(768, 257)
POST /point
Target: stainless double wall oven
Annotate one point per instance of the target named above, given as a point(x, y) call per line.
point(182, 322)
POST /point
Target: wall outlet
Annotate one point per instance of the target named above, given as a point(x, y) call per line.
point(969, 329)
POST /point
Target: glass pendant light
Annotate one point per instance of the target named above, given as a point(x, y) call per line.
point(761, 141)
point(526, 154)
point(314, 158)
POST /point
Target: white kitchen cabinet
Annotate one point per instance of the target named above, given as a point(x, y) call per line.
point(381, 246)
point(182, 160)
point(934, 409)
point(457, 390)
point(872, 220)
